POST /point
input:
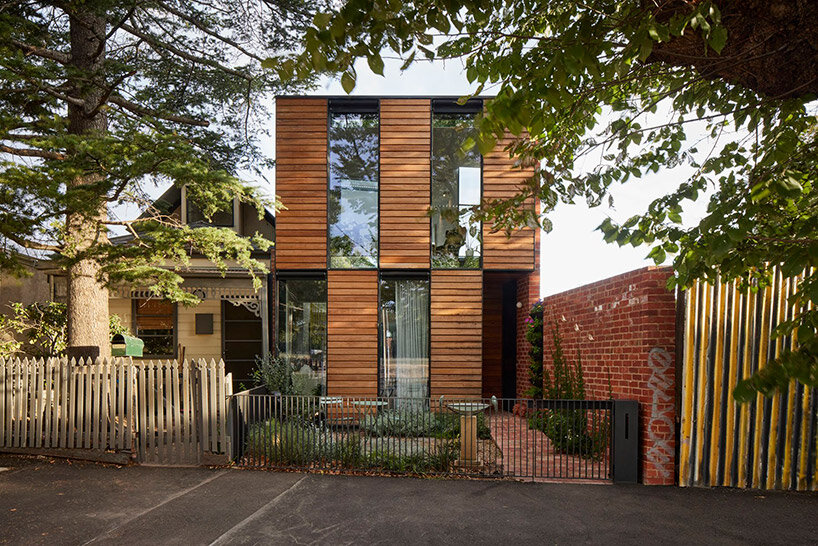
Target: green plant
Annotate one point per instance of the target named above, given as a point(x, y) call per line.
point(569, 430)
point(418, 423)
point(274, 373)
point(299, 443)
point(39, 329)
point(534, 336)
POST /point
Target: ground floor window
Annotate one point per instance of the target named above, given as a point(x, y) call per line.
point(404, 337)
point(154, 323)
point(302, 331)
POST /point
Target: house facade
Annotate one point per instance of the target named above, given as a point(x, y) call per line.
point(232, 321)
point(382, 285)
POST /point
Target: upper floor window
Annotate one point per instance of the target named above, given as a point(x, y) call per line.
point(456, 187)
point(224, 217)
point(352, 220)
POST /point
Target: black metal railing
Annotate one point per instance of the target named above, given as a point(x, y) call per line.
point(519, 438)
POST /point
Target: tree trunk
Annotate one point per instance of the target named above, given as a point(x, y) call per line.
point(87, 311)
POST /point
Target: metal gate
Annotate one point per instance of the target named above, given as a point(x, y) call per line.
point(593, 440)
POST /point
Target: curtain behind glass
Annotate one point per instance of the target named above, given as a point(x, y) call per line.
point(405, 339)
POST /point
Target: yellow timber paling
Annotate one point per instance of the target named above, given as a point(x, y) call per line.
point(768, 443)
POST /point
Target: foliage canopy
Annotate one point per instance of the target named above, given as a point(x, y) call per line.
point(605, 91)
point(102, 101)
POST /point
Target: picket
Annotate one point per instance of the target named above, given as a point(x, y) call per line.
point(167, 412)
point(3, 389)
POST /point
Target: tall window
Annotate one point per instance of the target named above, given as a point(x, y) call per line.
point(154, 321)
point(302, 332)
point(353, 184)
point(404, 333)
point(456, 188)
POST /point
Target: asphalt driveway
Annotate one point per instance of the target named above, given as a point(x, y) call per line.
point(45, 501)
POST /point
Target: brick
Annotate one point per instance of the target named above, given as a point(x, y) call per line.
point(625, 316)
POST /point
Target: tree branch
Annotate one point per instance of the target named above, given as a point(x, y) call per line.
point(183, 54)
point(143, 111)
point(30, 152)
point(57, 56)
point(25, 243)
point(198, 24)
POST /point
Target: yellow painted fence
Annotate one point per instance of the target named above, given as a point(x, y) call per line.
point(769, 443)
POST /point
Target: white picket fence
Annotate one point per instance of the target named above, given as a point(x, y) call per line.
point(162, 412)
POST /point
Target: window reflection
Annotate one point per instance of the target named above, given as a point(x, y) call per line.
point(456, 188)
point(302, 329)
point(353, 190)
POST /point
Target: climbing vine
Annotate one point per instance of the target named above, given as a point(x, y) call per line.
point(534, 335)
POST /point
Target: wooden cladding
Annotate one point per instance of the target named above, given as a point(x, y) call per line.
point(457, 344)
point(301, 183)
point(404, 183)
point(501, 180)
point(352, 333)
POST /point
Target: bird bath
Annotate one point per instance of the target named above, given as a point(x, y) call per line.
point(468, 430)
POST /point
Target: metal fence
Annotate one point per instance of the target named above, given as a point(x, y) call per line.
point(518, 438)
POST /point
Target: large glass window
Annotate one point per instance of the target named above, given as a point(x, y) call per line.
point(154, 321)
point(404, 333)
point(456, 188)
point(302, 332)
point(353, 189)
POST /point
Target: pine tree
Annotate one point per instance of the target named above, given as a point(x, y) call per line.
point(99, 101)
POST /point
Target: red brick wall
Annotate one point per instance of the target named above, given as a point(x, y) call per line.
point(624, 328)
point(528, 292)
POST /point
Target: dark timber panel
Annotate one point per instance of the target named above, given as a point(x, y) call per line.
point(501, 180)
point(301, 183)
point(352, 333)
point(404, 183)
point(457, 322)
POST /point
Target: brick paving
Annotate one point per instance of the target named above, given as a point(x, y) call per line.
point(528, 453)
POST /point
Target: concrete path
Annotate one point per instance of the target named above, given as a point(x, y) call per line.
point(46, 501)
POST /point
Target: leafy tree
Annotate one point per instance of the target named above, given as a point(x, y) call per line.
point(99, 101)
point(604, 91)
point(42, 329)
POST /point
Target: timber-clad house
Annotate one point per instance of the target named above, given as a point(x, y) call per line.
point(382, 286)
point(379, 284)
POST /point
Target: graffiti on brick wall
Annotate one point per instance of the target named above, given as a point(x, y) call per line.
point(660, 383)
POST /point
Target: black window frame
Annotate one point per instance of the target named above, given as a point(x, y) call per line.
point(453, 106)
point(301, 275)
point(404, 274)
point(354, 106)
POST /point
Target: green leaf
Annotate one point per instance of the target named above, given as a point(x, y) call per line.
point(348, 82)
point(717, 38)
point(376, 64)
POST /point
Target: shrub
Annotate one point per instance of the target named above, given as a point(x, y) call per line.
point(298, 443)
point(416, 423)
point(274, 373)
point(568, 430)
